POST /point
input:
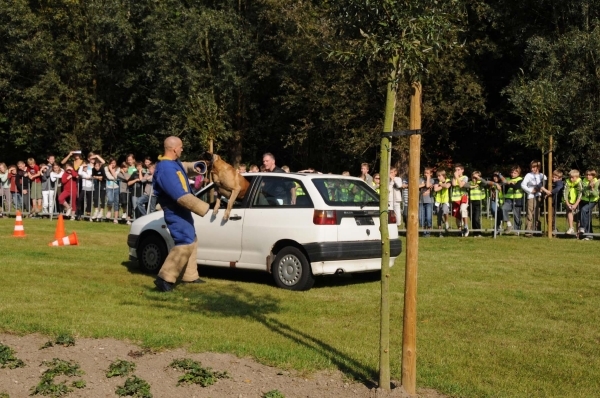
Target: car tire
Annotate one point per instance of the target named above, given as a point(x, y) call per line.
point(291, 270)
point(152, 252)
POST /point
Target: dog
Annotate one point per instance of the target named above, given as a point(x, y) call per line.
point(229, 182)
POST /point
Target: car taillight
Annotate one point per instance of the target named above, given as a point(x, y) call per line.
point(391, 217)
point(325, 217)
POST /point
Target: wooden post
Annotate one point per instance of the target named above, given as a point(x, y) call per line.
point(384, 314)
point(409, 332)
point(550, 213)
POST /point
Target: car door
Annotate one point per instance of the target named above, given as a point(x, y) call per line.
point(219, 241)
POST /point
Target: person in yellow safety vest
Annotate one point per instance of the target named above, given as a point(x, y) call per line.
point(557, 187)
point(476, 188)
point(442, 200)
point(572, 194)
point(532, 185)
point(460, 199)
point(513, 199)
point(589, 198)
point(376, 182)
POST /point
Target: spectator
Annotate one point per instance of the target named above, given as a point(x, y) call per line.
point(12, 176)
point(112, 190)
point(460, 199)
point(442, 200)
point(589, 198)
point(253, 168)
point(34, 174)
point(84, 205)
point(124, 199)
point(496, 197)
point(513, 199)
point(395, 194)
point(476, 196)
point(572, 195)
point(131, 164)
point(54, 182)
point(23, 184)
point(5, 195)
point(135, 184)
point(242, 168)
point(147, 203)
point(426, 199)
point(70, 190)
point(76, 162)
point(376, 182)
point(99, 179)
point(284, 192)
point(364, 174)
point(46, 183)
point(532, 185)
point(557, 187)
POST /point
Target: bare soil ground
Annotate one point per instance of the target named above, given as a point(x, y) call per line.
point(248, 379)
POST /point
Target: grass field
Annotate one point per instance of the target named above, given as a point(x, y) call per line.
point(511, 317)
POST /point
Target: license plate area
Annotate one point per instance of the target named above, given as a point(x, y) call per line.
point(364, 220)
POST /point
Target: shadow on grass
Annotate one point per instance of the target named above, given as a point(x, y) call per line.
point(263, 278)
point(247, 305)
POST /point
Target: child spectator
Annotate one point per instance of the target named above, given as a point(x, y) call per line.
point(23, 184)
point(131, 164)
point(364, 174)
point(99, 179)
point(496, 197)
point(426, 200)
point(557, 187)
point(14, 192)
point(70, 190)
point(35, 194)
point(395, 194)
point(513, 199)
point(476, 197)
point(46, 169)
point(148, 197)
point(112, 190)
point(242, 168)
point(572, 195)
point(124, 200)
point(135, 184)
point(532, 185)
point(460, 199)
point(76, 162)
point(55, 178)
point(589, 198)
point(254, 168)
point(5, 194)
point(376, 184)
point(442, 200)
point(84, 205)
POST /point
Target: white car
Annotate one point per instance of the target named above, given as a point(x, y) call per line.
point(332, 228)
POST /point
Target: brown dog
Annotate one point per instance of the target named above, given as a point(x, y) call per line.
point(229, 182)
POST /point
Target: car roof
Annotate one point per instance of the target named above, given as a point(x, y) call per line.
point(307, 176)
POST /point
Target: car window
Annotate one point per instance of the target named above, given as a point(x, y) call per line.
point(209, 195)
point(344, 192)
point(281, 192)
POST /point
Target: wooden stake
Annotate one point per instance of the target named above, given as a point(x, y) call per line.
point(550, 212)
point(384, 314)
point(409, 333)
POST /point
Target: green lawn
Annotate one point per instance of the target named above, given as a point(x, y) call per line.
point(511, 317)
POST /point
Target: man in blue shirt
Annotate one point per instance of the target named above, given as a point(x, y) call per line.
point(174, 194)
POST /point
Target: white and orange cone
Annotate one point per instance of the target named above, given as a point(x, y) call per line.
point(70, 240)
point(19, 231)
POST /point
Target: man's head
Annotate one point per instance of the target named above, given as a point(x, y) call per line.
point(364, 169)
point(173, 147)
point(269, 161)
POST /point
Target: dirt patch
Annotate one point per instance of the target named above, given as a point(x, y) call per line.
point(248, 379)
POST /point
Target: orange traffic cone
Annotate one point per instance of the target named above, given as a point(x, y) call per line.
point(19, 231)
point(70, 240)
point(59, 233)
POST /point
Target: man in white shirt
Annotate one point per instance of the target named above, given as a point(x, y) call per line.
point(532, 185)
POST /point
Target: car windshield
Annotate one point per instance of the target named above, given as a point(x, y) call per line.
point(344, 192)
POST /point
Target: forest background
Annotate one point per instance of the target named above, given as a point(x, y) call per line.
point(119, 76)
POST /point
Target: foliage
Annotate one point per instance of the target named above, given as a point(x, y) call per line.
point(58, 367)
point(4, 395)
point(8, 359)
point(134, 387)
point(273, 394)
point(63, 339)
point(120, 368)
point(196, 374)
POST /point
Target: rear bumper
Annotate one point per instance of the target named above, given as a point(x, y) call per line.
point(354, 250)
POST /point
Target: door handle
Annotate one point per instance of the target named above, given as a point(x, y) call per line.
point(235, 218)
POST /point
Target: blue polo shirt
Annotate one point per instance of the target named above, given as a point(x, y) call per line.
point(170, 182)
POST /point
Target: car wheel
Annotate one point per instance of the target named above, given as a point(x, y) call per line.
point(152, 253)
point(291, 270)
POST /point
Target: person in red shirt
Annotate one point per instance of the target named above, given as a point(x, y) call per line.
point(35, 175)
